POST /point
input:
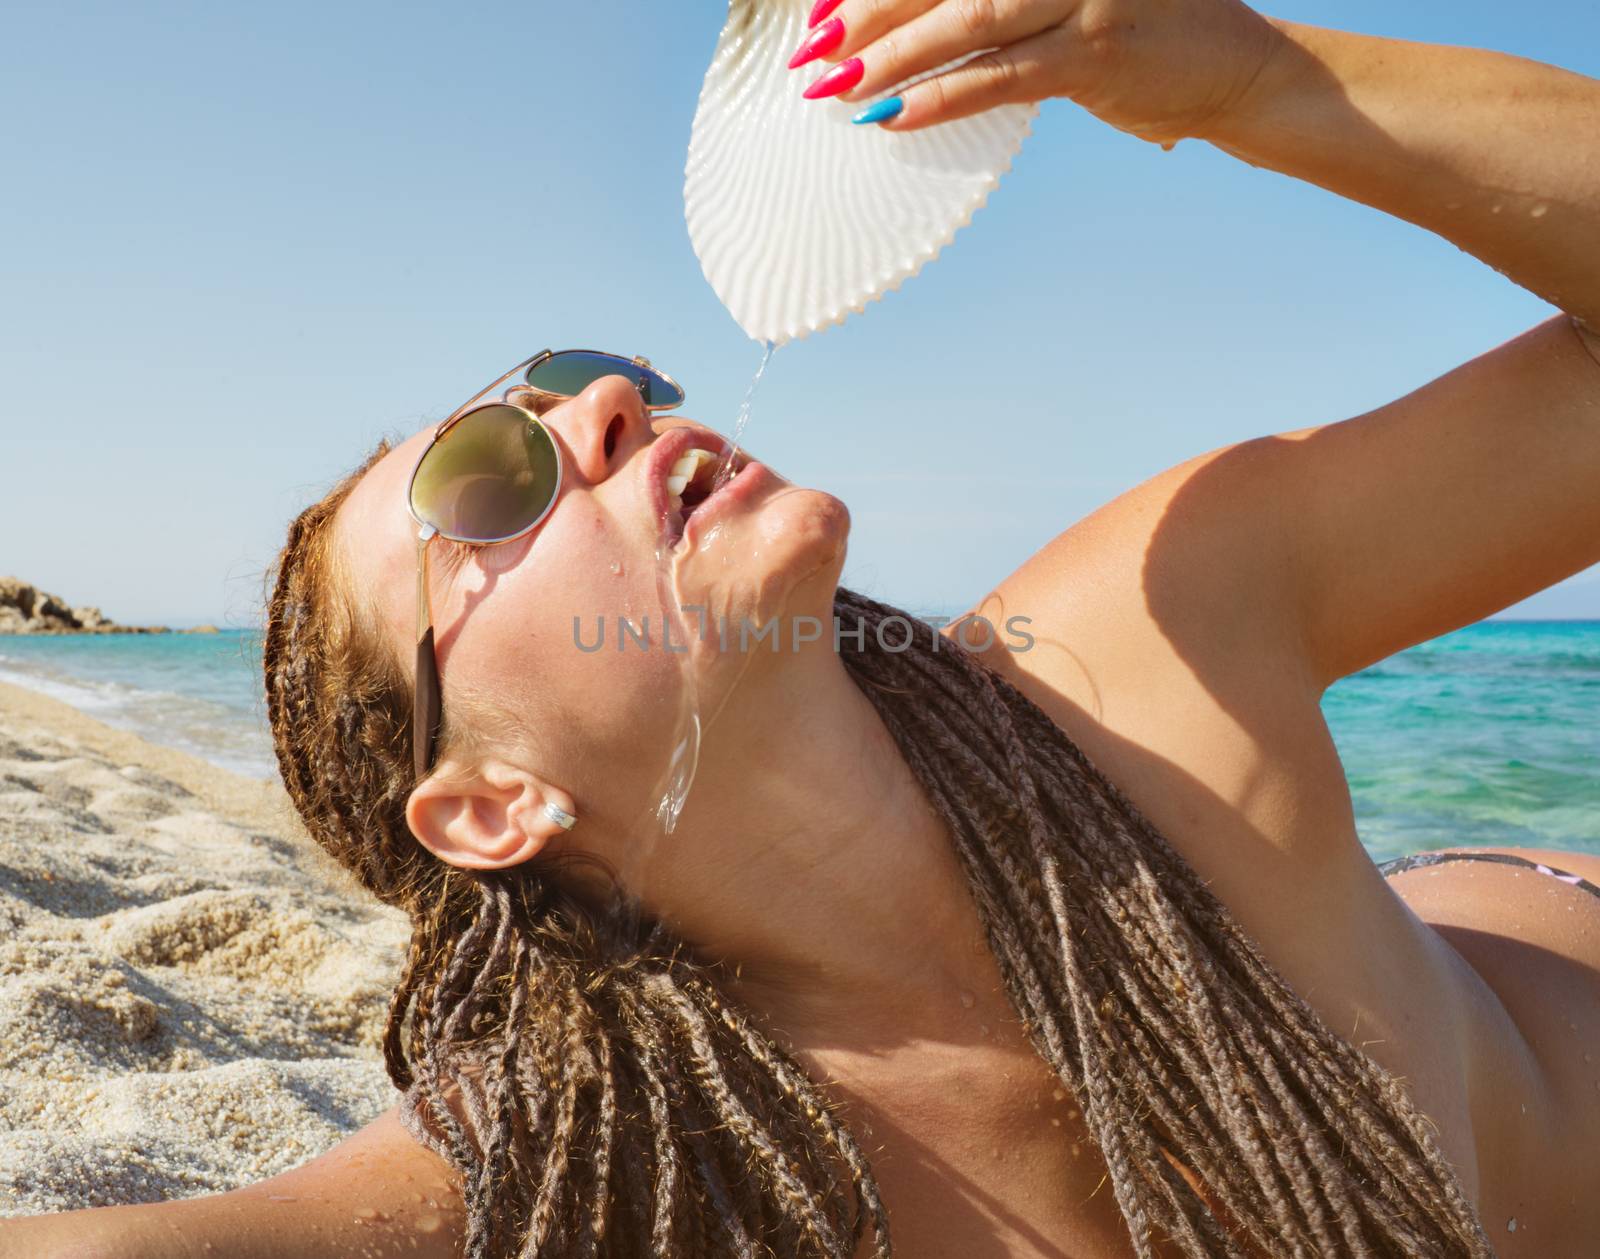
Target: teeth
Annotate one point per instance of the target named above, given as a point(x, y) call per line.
point(683, 471)
point(690, 462)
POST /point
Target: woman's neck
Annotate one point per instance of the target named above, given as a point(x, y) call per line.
point(809, 861)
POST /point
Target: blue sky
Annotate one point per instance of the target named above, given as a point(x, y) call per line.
point(243, 242)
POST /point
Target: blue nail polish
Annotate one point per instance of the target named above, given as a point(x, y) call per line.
point(880, 111)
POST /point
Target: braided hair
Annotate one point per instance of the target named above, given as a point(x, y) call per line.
point(600, 1095)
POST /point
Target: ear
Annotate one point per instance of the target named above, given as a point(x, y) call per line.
point(487, 816)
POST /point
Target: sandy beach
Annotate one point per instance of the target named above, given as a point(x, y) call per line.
point(191, 995)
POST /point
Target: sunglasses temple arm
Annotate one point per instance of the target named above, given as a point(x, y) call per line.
point(425, 716)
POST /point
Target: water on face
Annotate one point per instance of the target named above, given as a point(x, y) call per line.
point(690, 635)
point(692, 632)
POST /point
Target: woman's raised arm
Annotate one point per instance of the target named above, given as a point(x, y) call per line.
point(374, 1195)
point(1367, 536)
point(1483, 487)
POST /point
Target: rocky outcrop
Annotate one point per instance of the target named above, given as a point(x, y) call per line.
point(25, 609)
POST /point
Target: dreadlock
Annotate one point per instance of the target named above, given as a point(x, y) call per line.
point(610, 1100)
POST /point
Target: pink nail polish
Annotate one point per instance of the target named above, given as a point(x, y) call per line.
point(841, 78)
point(819, 43)
point(821, 10)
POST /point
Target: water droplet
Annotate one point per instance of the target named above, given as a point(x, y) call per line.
point(1168, 145)
point(968, 1000)
point(1060, 1095)
point(429, 1223)
point(365, 1215)
point(616, 569)
point(1511, 1225)
point(1539, 211)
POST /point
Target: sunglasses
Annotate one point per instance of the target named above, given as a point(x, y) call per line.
point(491, 473)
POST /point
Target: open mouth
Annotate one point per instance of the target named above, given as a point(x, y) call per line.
point(689, 483)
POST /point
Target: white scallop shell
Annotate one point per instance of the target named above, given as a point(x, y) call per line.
point(798, 215)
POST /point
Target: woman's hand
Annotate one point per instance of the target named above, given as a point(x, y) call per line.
point(1162, 70)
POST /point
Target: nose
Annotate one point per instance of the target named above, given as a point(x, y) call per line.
point(600, 428)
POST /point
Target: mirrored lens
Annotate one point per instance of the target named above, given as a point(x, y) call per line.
point(491, 476)
point(570, 372)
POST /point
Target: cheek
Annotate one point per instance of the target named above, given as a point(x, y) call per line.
point(587, 574)
point(544, 639)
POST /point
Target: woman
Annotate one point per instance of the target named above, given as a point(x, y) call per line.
point(1066, 950)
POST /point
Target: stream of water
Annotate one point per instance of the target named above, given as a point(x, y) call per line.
point(684, 759)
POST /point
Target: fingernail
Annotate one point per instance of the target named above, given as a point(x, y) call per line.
point(821, 10)
point(819, 43)
point(880, 111)
point(841, 78)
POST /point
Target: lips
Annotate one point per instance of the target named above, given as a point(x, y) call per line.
point(744, 485)
point(666, 451)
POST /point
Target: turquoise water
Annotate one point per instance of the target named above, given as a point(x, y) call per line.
point(1490, 735)
point(198, 692)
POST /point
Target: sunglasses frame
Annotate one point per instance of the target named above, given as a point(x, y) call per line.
point(429, 699)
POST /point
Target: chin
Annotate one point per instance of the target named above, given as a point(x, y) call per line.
point(815, 530)
point(780, 559)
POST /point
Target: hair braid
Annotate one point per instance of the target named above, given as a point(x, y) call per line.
point(1138, 936)
point(602, 1096)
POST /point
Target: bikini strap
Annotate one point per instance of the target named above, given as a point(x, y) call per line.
point(1417, 860)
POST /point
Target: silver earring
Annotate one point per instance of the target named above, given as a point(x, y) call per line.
point(560, 816)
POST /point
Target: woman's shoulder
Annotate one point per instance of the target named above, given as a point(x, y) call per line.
point(1198, 711)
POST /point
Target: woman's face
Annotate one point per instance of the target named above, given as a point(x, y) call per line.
point(518, 623)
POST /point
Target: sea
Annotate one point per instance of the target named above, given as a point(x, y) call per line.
point(1489, 735)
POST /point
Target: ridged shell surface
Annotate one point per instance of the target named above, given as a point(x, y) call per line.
point(798, 215)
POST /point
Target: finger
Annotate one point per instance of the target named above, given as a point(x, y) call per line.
point(1022, 72)
point(947, 32)
point(856, 23)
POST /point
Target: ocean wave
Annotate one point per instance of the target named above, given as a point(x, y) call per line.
point(231, 735)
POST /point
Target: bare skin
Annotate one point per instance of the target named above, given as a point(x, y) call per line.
point(1186, 633)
